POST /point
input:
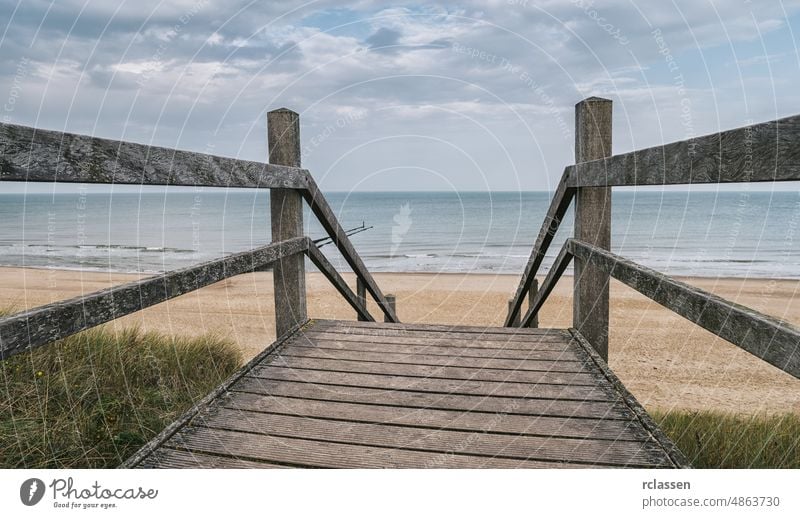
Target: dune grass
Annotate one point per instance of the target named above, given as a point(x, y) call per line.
point(718, 440)
point(91, 400)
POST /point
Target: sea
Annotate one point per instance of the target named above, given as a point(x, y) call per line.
point(682, 233)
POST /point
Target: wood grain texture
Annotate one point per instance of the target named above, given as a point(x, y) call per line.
point(448, 351)
point(286, 220)
point(542, 344)
point(311, 405)
point(39, 326)
point(774, 341)
point(306, 453)
point(590, 294)
point(478, 438)
point(440, 371)
point(558, 365)
point(605, 411)
point(351, 326)
point(436, 385)
point(37, 155)
point(765, 152)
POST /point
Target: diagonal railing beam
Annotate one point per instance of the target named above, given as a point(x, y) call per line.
point(327, 218)
point(45, 324)
point(555, 215)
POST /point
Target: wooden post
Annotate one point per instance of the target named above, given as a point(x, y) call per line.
point(517, 319)
point(592, 224)
point(286, 213)
point(532, 295)
point(361, 294)
point(392, 301)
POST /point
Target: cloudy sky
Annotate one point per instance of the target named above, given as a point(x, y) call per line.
point(457, 95)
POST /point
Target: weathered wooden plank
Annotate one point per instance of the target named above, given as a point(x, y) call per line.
point(555, 215)
point(559, 265)
point(603, 410)
point(774, 341)
point(447, 328)
point(455, 373)
point(307, 453)
point(433, 420)
point(623, 450)
point(439, 386)
point(453, 335)
point(27, 330)
point(590, 296)
point(286, 221)
point(167, 458)
point(433, 360)
point(327, 218)
point(764, 152)
point(330, 273)
point(36, 155)
point(449, 351)
point(546, 344)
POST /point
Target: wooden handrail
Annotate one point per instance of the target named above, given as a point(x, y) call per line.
point(764, 152)
point(36, 155)
point(42, 325)
point(775, 341)
point(559, 204)
point(327, 218)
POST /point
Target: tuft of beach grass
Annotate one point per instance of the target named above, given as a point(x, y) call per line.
point(91, 400)
point(722, 440)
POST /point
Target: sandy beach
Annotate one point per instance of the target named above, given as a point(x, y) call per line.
point(664, 360)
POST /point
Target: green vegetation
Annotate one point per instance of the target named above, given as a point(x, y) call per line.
point(717, 440)
point(91, 400)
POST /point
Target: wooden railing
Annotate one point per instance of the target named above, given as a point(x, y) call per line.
point(34, 155)
point(759, 153)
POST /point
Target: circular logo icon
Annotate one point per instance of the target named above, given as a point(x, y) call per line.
point(31, 491)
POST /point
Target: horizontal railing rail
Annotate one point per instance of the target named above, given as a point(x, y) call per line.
point(45, 324)
point(770, 339)
point(36, 155)
point(764, 152)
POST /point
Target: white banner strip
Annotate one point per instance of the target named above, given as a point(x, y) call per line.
point(353, 493)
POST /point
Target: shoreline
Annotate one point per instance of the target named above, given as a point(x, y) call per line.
point(665, 361)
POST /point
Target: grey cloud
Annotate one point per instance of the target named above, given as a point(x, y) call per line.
point(132, 73)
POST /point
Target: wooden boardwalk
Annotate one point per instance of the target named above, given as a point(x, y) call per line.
point(368, 395)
